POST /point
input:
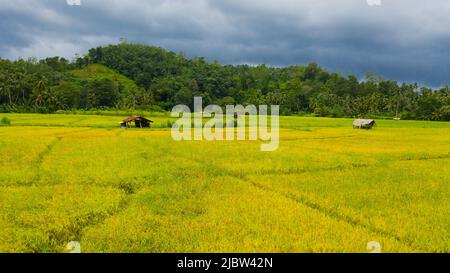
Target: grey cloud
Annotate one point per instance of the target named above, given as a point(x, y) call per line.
point(405, 40)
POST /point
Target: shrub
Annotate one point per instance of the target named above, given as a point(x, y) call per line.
point(169, 124)
point(5, 121)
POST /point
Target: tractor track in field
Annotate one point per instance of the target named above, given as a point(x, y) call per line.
point(319, 138)
point(75, 121)
point(42, 155)
point(335, 215)
point(328, 212)
point(40, 160)
point(311, 170)
point(74, 132)
point(46, 152)
point(74, 232)
point(424, 158)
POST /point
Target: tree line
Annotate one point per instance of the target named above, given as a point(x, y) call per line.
point(161, 79)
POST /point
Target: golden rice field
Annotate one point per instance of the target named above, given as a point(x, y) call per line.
point(328, 188)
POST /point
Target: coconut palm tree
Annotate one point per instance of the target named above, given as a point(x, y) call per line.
point(39, 92)
point(5, 88)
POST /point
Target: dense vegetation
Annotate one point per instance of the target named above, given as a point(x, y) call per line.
point(130, 76)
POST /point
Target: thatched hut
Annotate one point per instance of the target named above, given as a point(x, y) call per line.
point(139, 121)
point(363, 124)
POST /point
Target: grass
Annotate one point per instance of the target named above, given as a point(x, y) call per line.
point(328, 188)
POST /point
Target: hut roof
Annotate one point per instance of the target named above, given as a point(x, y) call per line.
point(363, 122)
point(136, 118)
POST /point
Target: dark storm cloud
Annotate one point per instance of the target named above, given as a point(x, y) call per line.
point(406, 40)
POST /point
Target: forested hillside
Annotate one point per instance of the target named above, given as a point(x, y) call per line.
point(127, 76)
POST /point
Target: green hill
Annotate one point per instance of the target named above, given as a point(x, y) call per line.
point(97, 86)
point(100, 72)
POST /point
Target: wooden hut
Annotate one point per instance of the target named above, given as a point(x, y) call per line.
point(139, 121)
point(364, 124)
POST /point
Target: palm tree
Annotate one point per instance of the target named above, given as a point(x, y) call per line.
point(5, 89)
point(2, 87)
point(39, 92)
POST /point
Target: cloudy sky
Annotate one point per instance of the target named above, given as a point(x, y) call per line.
point(405, 40)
